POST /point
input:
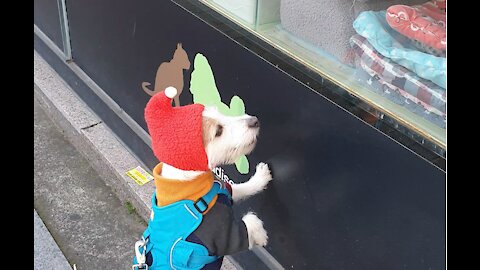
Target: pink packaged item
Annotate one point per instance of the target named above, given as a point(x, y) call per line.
point(415, 25)
point(434, 10)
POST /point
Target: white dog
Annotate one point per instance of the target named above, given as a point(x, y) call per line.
point(192, 224)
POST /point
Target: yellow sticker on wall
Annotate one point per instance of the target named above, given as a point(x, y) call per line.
point(140, 176)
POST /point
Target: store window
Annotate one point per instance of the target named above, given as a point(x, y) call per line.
point(389, 53)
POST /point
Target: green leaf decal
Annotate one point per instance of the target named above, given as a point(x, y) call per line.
point(242, 165)
point(237, 107)
point(204, 91)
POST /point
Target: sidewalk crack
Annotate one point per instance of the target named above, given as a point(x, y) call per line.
point(92, 125)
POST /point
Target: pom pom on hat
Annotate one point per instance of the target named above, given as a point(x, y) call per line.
point(171, 91)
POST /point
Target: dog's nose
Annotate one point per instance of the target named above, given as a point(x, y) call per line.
point(253, 122)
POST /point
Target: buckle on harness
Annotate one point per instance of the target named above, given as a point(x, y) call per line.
point(141, 259)
point(205, 204)
point(140, 266)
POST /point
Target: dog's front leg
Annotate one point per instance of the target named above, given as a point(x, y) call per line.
point(257, 183)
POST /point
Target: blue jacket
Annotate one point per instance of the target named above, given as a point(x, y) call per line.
point(179, 236)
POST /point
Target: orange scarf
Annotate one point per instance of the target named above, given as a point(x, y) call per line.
point(171, 190)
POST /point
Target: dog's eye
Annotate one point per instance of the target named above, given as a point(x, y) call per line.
point(219, 131)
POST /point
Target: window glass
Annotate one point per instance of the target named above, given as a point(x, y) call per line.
point(389, 53)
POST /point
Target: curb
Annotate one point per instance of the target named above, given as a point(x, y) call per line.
point(46, 253)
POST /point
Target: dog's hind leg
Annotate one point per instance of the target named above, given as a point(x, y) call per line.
point(257, 235)
point(257, 183)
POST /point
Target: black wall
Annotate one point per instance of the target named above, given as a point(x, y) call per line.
point(46, 17)
point(345, 196)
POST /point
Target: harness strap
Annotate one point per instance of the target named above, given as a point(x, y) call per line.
point(202, 204)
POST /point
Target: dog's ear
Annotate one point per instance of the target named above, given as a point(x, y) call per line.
point(209, 127)
point(179, 45)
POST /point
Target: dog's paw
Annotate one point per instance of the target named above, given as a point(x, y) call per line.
point(257, 235)
point(262, 175)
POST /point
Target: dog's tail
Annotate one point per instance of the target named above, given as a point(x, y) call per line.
point(148, 91)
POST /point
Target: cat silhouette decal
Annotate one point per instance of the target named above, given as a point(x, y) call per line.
point(170, 74)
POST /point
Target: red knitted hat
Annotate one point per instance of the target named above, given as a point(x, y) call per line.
point(176, 132)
